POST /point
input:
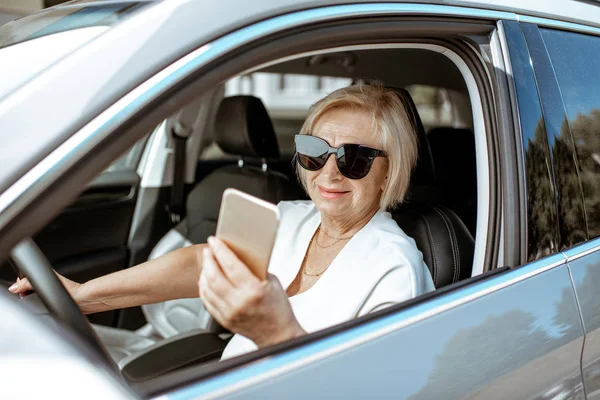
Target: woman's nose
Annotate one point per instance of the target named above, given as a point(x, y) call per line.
point(330, 168)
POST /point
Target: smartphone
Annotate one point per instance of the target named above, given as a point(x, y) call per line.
point(248, 225)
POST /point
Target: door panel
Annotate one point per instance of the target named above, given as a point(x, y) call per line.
point(97, 221)
point(586, 278)
point(89, 238)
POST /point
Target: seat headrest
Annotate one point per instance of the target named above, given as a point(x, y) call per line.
point(243, 127)
point(424, 171)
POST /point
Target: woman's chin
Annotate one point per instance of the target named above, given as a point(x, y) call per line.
point(333, 206)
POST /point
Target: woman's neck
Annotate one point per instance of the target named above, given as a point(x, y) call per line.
point(345, 227)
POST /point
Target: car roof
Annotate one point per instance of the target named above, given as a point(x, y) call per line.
point(578, 11)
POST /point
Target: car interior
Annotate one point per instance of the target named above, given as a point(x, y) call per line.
point(245, 138)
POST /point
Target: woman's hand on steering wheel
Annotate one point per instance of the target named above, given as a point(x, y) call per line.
point(241, 302)
point(22, 286)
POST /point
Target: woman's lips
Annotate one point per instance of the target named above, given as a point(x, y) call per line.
point(331, 194)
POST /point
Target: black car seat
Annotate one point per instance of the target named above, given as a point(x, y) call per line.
point(446, 244)
point(444, 240)
point(453, 153)
point(242, 128)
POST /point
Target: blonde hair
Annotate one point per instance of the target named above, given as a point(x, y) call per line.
point(393, 127)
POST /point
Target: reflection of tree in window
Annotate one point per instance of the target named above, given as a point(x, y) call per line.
point(576, 61)
point(541, 207)
point(586, 134)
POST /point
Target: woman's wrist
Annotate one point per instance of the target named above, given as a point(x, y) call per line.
point(82, 294)
point(289, 331)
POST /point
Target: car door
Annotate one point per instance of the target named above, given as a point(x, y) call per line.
point(509, 333)
point(571, 61)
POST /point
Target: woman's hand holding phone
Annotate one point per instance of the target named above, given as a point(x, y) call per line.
point(242, 302)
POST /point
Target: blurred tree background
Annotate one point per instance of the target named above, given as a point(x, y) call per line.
point(576, 162)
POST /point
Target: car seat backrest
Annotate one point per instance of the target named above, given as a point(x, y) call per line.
point(441, 236)
point(242, 128)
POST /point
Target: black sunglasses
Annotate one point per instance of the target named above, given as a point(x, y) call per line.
point(353, 160)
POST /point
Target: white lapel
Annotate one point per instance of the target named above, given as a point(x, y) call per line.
point(342, 289)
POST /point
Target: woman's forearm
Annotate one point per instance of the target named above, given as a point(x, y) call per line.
point(172, 276)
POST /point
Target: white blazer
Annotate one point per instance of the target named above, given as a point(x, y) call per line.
point(378, 267)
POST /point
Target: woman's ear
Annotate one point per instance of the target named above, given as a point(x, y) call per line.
point(384, 183)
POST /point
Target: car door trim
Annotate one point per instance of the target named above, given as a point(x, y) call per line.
point(582, 250)
point(563, 25)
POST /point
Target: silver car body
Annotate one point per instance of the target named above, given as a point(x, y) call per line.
point(514, 334)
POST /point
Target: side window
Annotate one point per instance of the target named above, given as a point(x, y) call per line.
point(287, 98)
point(576, 61)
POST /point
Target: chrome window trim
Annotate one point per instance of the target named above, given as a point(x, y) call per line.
point(275, 365)
point(563, 25)
point(582, 250)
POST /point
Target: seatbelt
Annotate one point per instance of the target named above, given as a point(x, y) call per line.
point(176, 204)
point(180, 127)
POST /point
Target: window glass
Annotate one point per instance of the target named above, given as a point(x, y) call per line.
point(49, 22)
point(576, 61)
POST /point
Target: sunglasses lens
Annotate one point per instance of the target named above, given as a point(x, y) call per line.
point(354, 161)
point(311, 163)
point(312, 152)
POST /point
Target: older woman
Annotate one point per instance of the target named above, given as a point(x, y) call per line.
point(336, 257)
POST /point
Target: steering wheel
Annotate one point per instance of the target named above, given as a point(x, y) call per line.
point(33, 263)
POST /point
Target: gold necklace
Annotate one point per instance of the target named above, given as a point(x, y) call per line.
point(331, 237)
point(306, 255)
point(316, 239)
